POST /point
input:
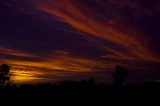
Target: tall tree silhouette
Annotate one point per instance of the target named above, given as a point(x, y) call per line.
point(120, 75)
point(4, 73)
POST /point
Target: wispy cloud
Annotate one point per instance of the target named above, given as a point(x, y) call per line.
point(81, 17)
point(13, 52)
point(57, 63)
point(86, 36)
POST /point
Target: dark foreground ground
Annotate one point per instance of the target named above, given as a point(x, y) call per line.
point(80, 92)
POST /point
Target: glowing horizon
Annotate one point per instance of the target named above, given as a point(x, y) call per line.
point(51, 39)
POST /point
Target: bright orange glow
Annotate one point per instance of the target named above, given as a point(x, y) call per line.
point(25, 76)
point(117, 44)
point(61, 61)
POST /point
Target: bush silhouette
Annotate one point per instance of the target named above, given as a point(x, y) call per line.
point(120, 75)
point(4, 73)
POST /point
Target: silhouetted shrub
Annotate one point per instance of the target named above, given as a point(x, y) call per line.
point(120, 75)
point(4, 74)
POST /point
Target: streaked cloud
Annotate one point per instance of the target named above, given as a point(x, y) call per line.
point(13, 52)
point(81, 17)
point(57, 63)
point(46, 40)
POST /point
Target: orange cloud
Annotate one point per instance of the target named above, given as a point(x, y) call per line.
point(82, 18)
point(56, 62)
point(25, 76)
point(8, 51)
point(87, 22)
point(60, 60)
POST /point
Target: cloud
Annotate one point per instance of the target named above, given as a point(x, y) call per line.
point(51, 39)
point(13, 52)
point(57, 63)
point(59, 60)
point(81, 17)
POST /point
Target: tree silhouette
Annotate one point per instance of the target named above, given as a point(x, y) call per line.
point(4, 73)
point(120, 75)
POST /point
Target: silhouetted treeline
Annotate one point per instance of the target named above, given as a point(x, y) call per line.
point(82, 91)
point(85, 88)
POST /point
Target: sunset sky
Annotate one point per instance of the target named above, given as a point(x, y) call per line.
point(56, 40)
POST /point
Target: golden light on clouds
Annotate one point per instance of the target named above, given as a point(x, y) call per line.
point(50, 38)
point(25, 76)
point(24, 71)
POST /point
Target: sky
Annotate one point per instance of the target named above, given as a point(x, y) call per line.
point(56, 40)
